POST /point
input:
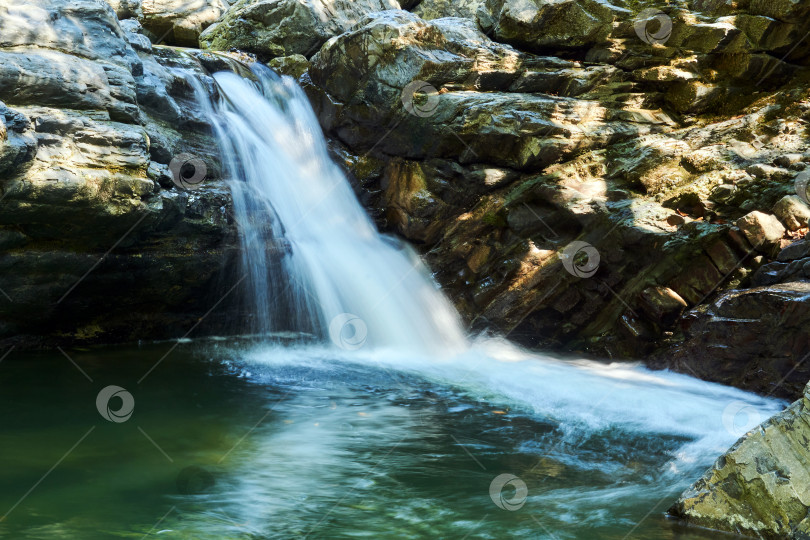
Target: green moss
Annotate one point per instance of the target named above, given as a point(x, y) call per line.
point(496, 219)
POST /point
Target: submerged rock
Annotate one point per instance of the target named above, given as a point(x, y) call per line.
point(761, 486)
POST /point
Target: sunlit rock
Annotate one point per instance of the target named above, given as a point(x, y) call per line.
point(761, 486)
point(272, 28)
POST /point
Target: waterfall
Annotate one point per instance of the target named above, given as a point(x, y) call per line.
point(314, 260)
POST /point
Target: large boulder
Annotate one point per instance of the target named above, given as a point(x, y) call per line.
point(97, 240)
point(752, 338)
point(763, 231)
point(272, 28)
point(549, 24)
point(174, 22)
point(792, 211)
point(761, 486)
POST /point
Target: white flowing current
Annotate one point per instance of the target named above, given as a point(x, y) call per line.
point(374, 307)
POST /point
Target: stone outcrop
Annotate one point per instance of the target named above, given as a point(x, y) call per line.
point(496, 160)
point(272, 28)
point(542, 24)
point(98, 242)
point(758, 488)
point(172, 22)
point(752, 338)
point(488, 107)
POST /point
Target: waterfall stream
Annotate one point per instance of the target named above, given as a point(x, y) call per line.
point(383, 420)
point(334, 274)
point(595, 443)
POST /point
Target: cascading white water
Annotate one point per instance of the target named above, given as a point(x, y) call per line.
point(337, 276)
point(618, 436)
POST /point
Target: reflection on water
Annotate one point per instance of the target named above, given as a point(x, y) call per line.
point(282, 443)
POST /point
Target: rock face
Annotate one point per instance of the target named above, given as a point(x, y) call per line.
point(437, 9)
point(499, 161)
point(272, 28)
point(753, 338)
point(173, 22)
point(368, 69)
point(89, 214)
point(540, 24)
point(761, 486)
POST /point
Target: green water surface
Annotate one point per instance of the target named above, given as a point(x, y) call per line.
point(214, 450)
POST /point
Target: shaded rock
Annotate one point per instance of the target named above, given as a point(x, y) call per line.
point(795, 251)
point(792, 264)
point(87, 130)
point(754, 339)
point(760, 487)
point(271, 28)
point(662, 305)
